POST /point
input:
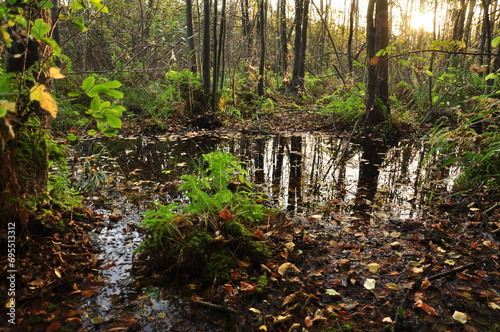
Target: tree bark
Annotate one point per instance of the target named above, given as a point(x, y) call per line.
point(296, 82)
point(190, 36)
point(24, 156)
point(377, 39)
point(262, 33)
point(283, 45)
point(205, 65)
point(352, 16)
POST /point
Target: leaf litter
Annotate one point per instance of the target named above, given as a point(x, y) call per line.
point(438, 272)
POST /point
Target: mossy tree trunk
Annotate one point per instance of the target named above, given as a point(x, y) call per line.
point(24, 157)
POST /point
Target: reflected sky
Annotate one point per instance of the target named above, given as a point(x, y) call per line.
point(300, 173)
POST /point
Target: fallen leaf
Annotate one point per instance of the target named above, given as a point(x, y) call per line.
point(246, 287)
point(287, 267)
point(425, 284)
point(332, 292)
point(89, 292)
point(392, 286)
point(225, 214)
point(373, 267)
point(53, 327)
point(427, 308)
point(308, 321)
point(460, 317)
point(493, 305)
point(369, 284)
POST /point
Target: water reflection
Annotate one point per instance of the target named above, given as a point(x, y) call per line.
point(299, 173)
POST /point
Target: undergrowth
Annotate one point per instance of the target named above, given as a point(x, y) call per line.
point(208, 237)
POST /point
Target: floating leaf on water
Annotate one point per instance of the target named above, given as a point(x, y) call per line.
point(387, 320)
point(58, 273)
point(460, 317)
point(370, 284)
point(162, 315)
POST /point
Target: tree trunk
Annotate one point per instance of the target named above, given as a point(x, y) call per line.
point(262, 33)
point(303, 44)
point(352, 16)
point(205, 65)
point(190, 36)
point(23, 150)
point(296, 83)
point(377, 39)
point(283, 45)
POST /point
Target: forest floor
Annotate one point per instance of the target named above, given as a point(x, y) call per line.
point(439, 272)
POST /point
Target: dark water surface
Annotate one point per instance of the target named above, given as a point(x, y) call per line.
point(315, 176)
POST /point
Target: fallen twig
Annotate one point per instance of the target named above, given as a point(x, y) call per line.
point(417, 285)
point(215, 306)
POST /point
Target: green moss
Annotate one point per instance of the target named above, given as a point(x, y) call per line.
point(219, 265)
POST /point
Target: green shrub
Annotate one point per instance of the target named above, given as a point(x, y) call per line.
point(206, 238)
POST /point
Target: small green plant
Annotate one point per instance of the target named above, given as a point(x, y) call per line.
point(345, 105)
point(474, 147)
point(209, 236)
point(103, 106)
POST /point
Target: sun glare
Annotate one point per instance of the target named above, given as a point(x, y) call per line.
point(421, 21)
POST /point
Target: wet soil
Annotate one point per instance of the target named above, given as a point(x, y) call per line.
point(344, 263)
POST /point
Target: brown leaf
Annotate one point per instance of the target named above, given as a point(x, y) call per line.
point(53, 327)
point(427, 308)
point(89, 292)
point(225, 214)
point(289, 299)
point(308, 321)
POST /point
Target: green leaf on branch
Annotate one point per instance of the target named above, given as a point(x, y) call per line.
point(39, 29)
point(88, 83)
point(77, 4)
point(46, 4)
point(495, 42)
point(113, 121)
point(97, 4)
point(79, 24)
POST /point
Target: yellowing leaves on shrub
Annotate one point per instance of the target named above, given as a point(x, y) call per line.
point(55, 73)
point(47, 102)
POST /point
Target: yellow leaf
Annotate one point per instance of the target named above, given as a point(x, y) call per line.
point(392, 286)
point(55, 73)
point(8, 105)
point(373, 267)
point(460, 317)
point(493, 305)
point(47, 102)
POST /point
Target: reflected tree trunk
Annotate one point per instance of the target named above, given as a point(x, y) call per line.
point(369, 170)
